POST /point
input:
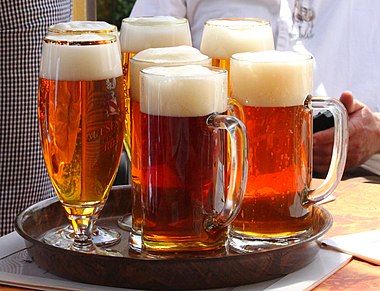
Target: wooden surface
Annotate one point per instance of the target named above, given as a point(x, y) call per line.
point(356, 209)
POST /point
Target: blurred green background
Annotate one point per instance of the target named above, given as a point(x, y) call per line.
point(113, 11)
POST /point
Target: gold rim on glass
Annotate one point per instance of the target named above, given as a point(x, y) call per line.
point(55, 39)
point(81, 31)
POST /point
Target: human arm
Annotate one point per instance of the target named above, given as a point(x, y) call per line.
point(364, 136)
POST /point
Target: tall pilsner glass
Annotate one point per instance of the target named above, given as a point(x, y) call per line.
point(226, 36)
point(274, 88)
point(101, 236)
point(167, 56)
point(81, 114)
point(186, 205)
point(138, 34)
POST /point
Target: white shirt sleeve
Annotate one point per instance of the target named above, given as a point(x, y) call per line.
point(175, 8)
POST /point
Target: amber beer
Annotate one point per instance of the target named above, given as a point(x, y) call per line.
point(279, 172)
point(226, 36)
point(169, 56)
point(179, 161)
point(81, 116)
point(140, 33)
point(181, 178)
point(273, 86)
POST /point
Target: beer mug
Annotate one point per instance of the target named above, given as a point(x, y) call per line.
point(224, 37)
point(179, 55)
point(138, 34)
point(186, 139)
point(274, 88)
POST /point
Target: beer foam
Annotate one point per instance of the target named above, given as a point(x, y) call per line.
point(79, 58)
point(183, 91)
point(271, 78)
point(224, 37)
point(141, 33)
point(180, 55)
point(93, 26)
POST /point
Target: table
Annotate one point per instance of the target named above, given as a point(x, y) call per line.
point(356, 209)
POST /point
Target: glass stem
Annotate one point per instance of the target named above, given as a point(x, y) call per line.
point(83, 226)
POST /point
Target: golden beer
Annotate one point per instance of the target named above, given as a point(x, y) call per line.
point(273, 87)
point(138, 34)
point(226, 36)
point(168, 56)
point(81, 114)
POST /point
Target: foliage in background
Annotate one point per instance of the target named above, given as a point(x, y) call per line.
point(113, 11)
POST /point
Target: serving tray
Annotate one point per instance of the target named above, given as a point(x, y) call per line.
point(132, 270)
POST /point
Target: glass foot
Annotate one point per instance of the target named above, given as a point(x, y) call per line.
point(135, 242)
point(63, 237)
point(125, 222)
point(243, 244)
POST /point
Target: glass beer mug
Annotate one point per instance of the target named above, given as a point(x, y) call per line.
point(274, 88)
point(224, 37)
point(138, 34)
point(185, 133)
point(153, 57)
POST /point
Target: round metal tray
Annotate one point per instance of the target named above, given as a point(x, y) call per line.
point(136, 271)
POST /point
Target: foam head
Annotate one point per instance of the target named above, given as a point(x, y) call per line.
point(183, 91)
point(138, 34)
point(271, 78)
point(83, 26)
point(179, 55)
point(224, 37)
point(80, 57)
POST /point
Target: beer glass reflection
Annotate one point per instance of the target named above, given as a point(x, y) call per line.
point(138, 34)
point(274, 88)
point(81, 114)
point(183, 149)
point(179, 55)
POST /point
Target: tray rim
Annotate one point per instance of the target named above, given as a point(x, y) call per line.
point(49, 201)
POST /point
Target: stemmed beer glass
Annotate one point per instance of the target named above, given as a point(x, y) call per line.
point(81, 114)
point(102, 236)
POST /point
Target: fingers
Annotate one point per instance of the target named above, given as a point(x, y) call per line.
point(323, 137)
point(351, 104)
point(322, 158)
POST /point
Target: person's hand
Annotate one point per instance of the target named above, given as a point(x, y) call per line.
point(364, 136)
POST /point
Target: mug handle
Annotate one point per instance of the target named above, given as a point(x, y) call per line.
point(238, 169)
point(339, 153)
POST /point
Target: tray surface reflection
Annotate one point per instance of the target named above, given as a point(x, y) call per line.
point(132, 270)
